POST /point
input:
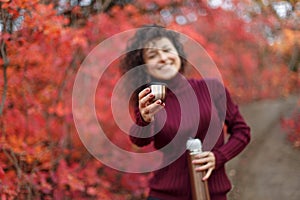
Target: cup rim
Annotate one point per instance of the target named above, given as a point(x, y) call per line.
point(156, 83)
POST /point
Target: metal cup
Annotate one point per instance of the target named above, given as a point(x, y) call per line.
point(158, 89)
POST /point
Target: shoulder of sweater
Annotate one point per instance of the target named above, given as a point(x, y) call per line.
point(206, 82)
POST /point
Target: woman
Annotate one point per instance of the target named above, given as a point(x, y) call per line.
point(162, 55)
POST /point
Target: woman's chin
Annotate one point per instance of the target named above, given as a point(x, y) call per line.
point(167, 75)
point(165, 78)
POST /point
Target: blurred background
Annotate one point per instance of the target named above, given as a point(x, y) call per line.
point(254, 43)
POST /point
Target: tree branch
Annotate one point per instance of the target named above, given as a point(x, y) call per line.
point(5, 61)
point(5, 65)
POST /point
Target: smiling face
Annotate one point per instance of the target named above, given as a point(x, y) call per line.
point(161, 59)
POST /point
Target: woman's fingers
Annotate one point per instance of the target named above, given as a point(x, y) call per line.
point(143, 93)
point(203, 154)
point(145, 98)
point(204, 167)
point(149, 111)
point(156, 106)
point(202, 161)
point(205, 161)
point(203, 158)
point(207, 174)
point(148, 108)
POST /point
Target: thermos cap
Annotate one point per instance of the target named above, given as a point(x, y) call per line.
point(194, 145)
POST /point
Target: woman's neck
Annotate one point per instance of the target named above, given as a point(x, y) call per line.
point(178, 82)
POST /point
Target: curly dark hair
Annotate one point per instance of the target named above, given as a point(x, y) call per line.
point(134, 56)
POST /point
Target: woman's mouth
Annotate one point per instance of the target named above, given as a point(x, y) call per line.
point(164, 66)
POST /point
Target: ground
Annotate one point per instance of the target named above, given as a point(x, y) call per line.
point(269, 168)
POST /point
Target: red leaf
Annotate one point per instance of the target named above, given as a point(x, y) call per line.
point(2, 173)
point(92, 191)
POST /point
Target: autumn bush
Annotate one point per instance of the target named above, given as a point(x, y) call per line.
point(42, 46)
point(41, 154)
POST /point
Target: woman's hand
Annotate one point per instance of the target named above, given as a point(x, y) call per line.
point(148, 108)
point(206, 161)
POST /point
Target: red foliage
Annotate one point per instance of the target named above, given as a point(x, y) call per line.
point(41, 154)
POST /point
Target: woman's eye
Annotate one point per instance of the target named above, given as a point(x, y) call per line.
point(151, 56)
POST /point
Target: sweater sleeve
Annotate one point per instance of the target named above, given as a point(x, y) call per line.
point(141, 133)
point(239, 133)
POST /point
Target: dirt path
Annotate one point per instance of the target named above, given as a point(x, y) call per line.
point(269, 168)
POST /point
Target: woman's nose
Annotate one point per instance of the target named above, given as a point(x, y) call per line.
point(163, 56)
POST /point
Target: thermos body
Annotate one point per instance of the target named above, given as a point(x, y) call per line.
point(199, 188)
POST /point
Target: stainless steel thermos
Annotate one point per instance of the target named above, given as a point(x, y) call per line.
point(199, 187)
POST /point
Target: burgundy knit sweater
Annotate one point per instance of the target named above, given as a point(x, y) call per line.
point(182, 117)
